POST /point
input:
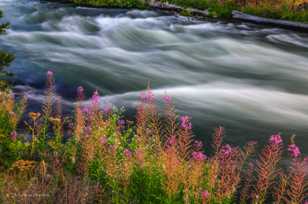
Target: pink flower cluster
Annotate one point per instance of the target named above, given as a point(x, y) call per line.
point(13, 135)
point(103, 140)
point(226, 150)
point(275, 139)
point(171, 140)
point(147, 96)
point(198, 144)
point(127, 153)
point(294, 150)
point(185, 122)
point(80, 93)
point(167, 99)
point(95, 98)
point(198, 156)
point(205, 195)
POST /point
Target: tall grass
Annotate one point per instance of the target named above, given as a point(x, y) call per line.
point(96, 156)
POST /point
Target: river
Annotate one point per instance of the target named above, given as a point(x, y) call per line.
point(251, 79)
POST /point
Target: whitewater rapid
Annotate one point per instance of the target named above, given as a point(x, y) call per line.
point(251, 79)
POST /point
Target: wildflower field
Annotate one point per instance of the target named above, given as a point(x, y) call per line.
point(96, 156)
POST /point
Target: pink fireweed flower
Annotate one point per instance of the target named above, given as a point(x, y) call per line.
point(86, 110)
point(127, 153)
point(185, 122)
point(107, 109)
point(294, 150)
point(95, 98)
point(306, 160)
point(204, 195)
point(80, 93)
point(13, 135)
point(226, 150)
point(49, 74)
point(49, 78)
point(275, 139)
point(88, 130)
point(147, 96)
point(103, 140)
point(171, 141)
point(198, 156)
point(167, 99)
point(198, 144)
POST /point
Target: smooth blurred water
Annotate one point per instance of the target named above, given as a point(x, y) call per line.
point(251, 79)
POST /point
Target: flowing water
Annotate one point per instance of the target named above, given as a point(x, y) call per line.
point(251, 79)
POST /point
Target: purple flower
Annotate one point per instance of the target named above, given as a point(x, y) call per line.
point(226, 150)
point(127, 153)
point(294, 150)
point(86, 110)
point(275, 139)
point(185, 122)
point(147, 96)
point(167, 99)
point(95, 98)
point(198, 144)
point(14, 135)
point(80, 92)
point(204, 195)
point(49, 79)
point(103, 140)
point(49, 74)
point(198, 156)
point(121, 122)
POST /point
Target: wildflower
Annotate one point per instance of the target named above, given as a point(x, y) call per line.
point(103, 140)
point(80, 92)
point(147, 96)
point(49, 74)
point(95, 98)
point(14, 135)
point(275, 139)
point(198, 156)
point(34, 116)
point(306, 159)
point(226, 150)
point(88, 130)
point(171, 140)
point(86, 110)
point(121, 122)
point(127, 153)
point(107, 109)
point(294, 150)
point(198, 144)
point(167, 99)
point(204, 195)
point(49, 78)
point(139, 155)
point(185, 123)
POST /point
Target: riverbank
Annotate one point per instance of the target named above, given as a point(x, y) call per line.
point(291, 16)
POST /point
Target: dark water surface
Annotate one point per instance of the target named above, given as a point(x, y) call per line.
point(251, 79)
